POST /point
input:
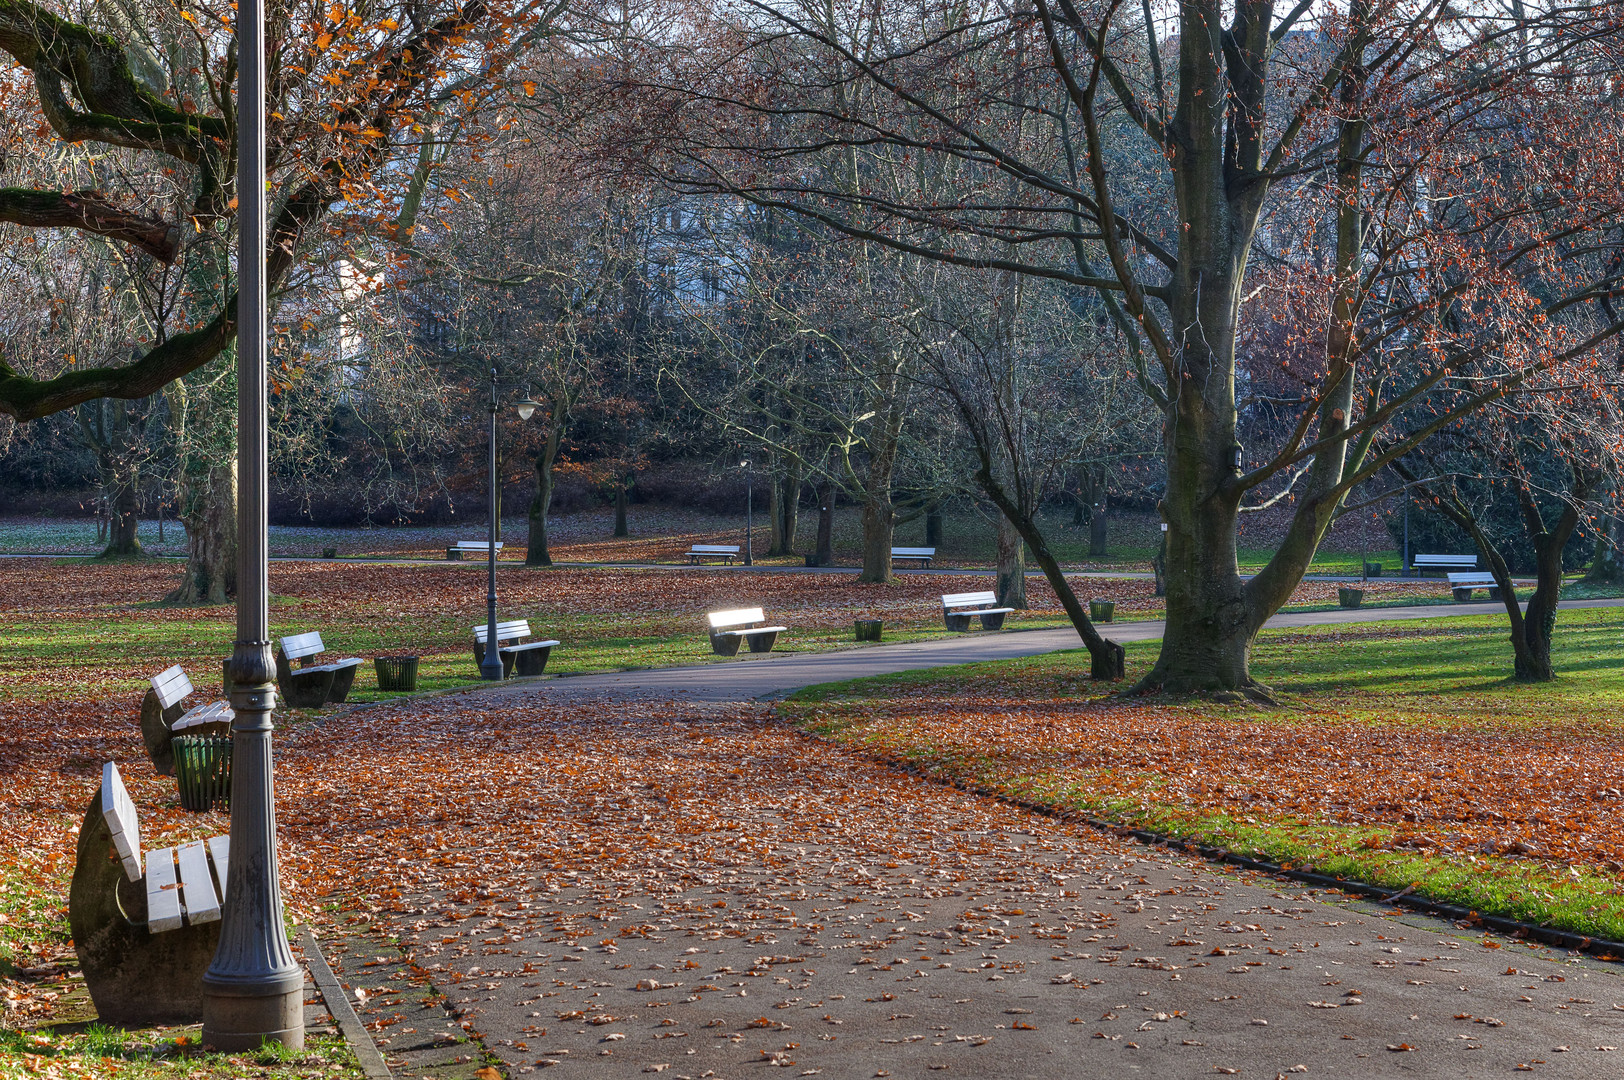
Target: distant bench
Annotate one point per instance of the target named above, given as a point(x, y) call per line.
point(164, 714)
point(922, 555)
point(121, 898)
point(312, 685)
point(1444, 562)
point(728, 628)
point(471, 547)
point(1461, 586)
point(958, 607)
point(713, 551)
point(527, 658)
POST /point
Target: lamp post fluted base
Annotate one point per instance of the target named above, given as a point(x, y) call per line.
point(242, 1016)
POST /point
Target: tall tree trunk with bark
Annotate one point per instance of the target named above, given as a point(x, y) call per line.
point(1011, 587)
point(776, 543)
point(621, 490)
point(823, 552)
point(1607, 561)
point(792, 505)
point(933, 525)
point(122, 536)
point(208, 509)
point(879, 525)
point(536, 551)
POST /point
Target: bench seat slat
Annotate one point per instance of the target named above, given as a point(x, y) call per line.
point(216, 712)
point(220, 855)
point(752, 631)
point(477, 545)
point(529, 645)
point(163, 896)
point(196, 885)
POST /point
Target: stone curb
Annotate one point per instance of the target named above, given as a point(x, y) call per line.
point(338, 1003)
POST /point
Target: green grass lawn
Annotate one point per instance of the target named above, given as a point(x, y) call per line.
point(1431, 760)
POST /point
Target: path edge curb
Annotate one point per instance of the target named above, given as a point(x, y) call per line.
point(344, 1015)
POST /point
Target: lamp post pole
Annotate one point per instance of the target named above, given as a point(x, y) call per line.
point(253, 992)
point(749, 514)
point(490, 666)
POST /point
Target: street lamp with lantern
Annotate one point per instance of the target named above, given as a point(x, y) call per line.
point(490, 665)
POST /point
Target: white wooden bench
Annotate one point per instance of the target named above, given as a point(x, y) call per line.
point(482, 548)
point(1444, 562)
point(728, 628)
point(523, 657)
point(958, 607)
point(713, 551)
point(164, 714)
point(922, 555)
point(1461, 586)
point(122, 899)
point(312, 685)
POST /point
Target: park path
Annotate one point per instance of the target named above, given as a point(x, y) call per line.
point(663, 878)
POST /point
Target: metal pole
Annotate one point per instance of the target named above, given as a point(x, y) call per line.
point(490, 667)
point(253, 992)
point(749, 516)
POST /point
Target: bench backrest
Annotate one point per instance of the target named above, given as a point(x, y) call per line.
point(505, 631)
point(717, 549)
point(1444, 560)
point(913, 553)
point(477, 545)
point(1483, 578)
point(119, 813)
point(721, 620)
point(172, 686)
point(299, 646)
point(969, 599)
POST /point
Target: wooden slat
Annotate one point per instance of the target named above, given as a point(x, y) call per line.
point(119, 813)
point(296, 646)
point(737, 617)
point(196, 886)
point(171, 685)
point(505, 631)
point(216, 712)
point(220, 854)
point(477, 545)
point(716, 549)
point(913, 553)
point(965, 599)
point(163, 895)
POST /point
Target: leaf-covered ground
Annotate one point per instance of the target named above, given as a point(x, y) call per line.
point(1403, 755)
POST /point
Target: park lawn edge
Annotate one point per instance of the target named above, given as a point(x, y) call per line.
point(1576, 899)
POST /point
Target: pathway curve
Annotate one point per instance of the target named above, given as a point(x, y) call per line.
point(743, 897)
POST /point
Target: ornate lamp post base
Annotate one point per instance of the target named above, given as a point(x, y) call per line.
point(238, 1018)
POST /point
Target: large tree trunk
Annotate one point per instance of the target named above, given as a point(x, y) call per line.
point(1533, 651)
point(122, 536)
point(208, 509)
point(1093, 499)
point(1607, 561)
point(1011, 586)
point(776, 542)
point(933, 525)
point(536, 551)
point(823, 553)
point(879, 522)
point(785, 509)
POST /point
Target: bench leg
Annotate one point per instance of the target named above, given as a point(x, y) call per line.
point(992, 622)
point(531, 661)
point(1461, 594)
point(725, 644)
point(135, 979)
point(342, 681)
point(1494, 592)
point(762, 642)
point(957, 623)
point(308, 690)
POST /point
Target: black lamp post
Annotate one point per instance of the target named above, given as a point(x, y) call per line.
point(490, 666)
point(253, 991)
point(749, 513)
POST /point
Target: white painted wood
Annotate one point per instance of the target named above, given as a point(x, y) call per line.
point(969, 599)
point(481, 546)
point(216, 712)
point(715, 549)
point(505, 631)
point(163, 893)
point(220, 855)
point(913, 553)
point(172, 686)
point(1471, 579)
point(531, 645)
point(196, 885)
point(119, 813)
point(1439, 562)
point(298, 646)
point(752, 631)
point(721, 620)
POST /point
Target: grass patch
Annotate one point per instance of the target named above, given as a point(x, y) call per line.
point(158, 1053)
point(1403, 755)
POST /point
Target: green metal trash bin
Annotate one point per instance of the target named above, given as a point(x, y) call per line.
point(396, 673)
point(203, 768)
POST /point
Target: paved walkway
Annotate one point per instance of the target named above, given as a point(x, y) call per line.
point(746, 898)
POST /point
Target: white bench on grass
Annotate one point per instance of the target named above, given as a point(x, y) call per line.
point(728, 628)
point(958, 607)
point(1461, 586)
point(1444, 562)
point(164, 714)
point(145, 924)
point(482, 548)
point(923, 555)
point(312, 685)
point(713, 551)
point(525, 657)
